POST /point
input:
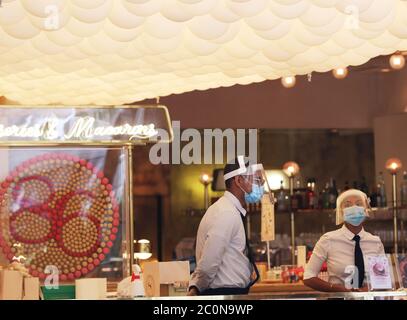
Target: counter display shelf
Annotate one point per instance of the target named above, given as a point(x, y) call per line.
point(64, 211)
point(66, 186)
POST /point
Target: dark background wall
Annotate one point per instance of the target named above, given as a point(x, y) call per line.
point(345, 155)
point(341, 154)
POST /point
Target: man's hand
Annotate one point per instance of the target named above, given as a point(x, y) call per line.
point(193, 291)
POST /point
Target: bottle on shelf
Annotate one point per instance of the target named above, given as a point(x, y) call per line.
point(282, 198)
point(381, 192)
point(298, 199)
point(346, 186)
point(325, 197)
point(311, 195)
point(333, 193)
point(403, 190)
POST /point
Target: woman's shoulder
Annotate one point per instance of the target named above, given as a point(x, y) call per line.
point(326, 238)
point(332, 234)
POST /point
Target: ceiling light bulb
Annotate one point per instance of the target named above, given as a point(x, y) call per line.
point(340, 73)
point(397, 61)
point(288, 82)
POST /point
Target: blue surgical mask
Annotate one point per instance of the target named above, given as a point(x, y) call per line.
point(255, 195)
point(354, 215)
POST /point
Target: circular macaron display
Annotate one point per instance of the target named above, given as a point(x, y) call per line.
point(57, 209)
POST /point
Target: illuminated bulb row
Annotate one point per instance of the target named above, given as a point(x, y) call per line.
point(397, 62)
point(289, 82)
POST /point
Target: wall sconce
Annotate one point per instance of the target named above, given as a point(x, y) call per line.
point(291, 169)
point(206, 180)
point(393, 165)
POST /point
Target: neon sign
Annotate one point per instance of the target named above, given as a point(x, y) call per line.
point(70, 125)
point(83, 128)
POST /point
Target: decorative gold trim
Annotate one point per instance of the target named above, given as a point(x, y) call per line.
point(130, 203)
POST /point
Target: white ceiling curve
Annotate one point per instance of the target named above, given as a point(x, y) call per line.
point(120, 51)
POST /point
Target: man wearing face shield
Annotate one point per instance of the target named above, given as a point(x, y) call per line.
point(344, 249)
point(225, 265)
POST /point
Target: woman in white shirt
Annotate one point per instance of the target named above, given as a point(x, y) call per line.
point(344, 249)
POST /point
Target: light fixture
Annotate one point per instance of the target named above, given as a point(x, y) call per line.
point(288, 82)
point(340, 73)
point(291, 169)
point(397, 61)
point(393, 165)
point(142, 249)
point(206, 180)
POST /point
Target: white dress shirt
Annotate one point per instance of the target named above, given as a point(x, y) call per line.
point(221, 247)
point(338, 249)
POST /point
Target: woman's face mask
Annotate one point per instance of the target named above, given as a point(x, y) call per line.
point(354, 215)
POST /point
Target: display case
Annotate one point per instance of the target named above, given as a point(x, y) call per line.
point(385, 295)
point(66, 187)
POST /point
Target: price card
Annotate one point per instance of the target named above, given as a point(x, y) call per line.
point(267, 219)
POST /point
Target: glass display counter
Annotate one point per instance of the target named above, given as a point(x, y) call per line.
point(383, 295)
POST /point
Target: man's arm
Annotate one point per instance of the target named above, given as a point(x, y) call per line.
point(216, 242)
point(313, 267)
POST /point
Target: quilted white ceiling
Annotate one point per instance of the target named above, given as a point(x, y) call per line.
point(121, 51)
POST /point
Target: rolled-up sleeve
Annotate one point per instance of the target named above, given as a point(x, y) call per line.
point(318, 257)
point(218, 238)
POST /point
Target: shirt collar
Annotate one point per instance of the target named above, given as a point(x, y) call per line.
point(350, 235)
point(235, 201)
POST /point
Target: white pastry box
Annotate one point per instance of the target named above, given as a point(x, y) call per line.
point(166, 278)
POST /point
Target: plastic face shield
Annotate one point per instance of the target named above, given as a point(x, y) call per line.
point(254, 173)
point(259, 177)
